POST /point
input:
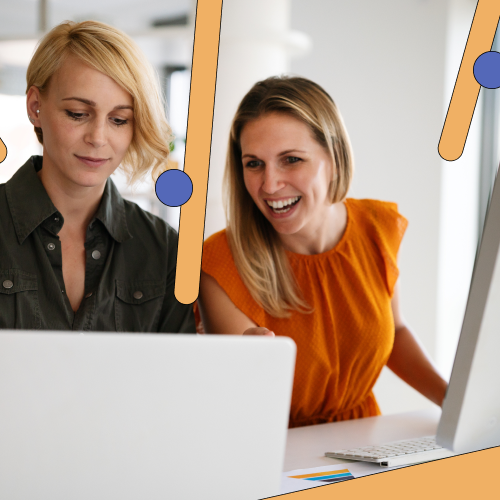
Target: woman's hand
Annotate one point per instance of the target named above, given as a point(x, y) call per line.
point(259, 330)
point(220, 315)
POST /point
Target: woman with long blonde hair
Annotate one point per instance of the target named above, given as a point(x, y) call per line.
point(300, 259)
point(74, 255)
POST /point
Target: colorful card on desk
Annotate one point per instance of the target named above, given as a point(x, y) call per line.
point(333, 476)
point(303, 479)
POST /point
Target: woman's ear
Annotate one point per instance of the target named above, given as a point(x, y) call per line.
point(33, 105)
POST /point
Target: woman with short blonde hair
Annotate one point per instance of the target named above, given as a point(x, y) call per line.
point(300, 259)
point(74, 255)
point(116, 55)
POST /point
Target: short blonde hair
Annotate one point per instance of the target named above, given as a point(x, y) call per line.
point(115, 54)
point(257, 251)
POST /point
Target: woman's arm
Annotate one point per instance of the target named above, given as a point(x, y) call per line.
point(220, 315)
point(410, 362)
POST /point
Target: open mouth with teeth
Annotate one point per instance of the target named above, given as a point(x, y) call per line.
point(283, 206)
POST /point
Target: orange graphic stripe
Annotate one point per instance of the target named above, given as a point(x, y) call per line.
point(465, 94)
point(198, 142)
point(3, 151)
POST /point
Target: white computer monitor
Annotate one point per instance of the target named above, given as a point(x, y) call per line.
point(471, 410)
point(142, 416)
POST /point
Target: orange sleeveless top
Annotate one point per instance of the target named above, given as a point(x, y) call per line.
point(344, 343)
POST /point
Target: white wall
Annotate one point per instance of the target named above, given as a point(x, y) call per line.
point(390, 65)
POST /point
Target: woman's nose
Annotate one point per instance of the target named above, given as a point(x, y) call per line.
point(272, 180)
point(96, 135)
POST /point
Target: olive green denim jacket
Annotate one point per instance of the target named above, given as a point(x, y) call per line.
point(129, 273)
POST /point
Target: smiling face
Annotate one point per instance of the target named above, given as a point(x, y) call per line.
point(87, 121)
point(287, 173)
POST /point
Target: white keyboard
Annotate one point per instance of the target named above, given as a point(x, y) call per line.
point(407, 452)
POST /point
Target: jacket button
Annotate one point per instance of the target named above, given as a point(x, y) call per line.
point(9, 284)
point(51, 246)
point(96, 254)
point(138, 295)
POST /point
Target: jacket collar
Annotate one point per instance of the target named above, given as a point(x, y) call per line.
point(111, 213)
point(30, 204)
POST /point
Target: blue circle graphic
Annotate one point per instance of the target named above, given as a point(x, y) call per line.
point(174, 187)
point(487, 70)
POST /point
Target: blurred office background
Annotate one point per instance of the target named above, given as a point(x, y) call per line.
point(390, 65)
point(164, 30)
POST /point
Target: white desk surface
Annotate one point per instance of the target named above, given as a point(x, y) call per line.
point(306, 446)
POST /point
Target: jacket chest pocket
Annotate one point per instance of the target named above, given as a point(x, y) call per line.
point(138, 305)
point(19, 306)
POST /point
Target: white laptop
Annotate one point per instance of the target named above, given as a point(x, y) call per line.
point(139, 416)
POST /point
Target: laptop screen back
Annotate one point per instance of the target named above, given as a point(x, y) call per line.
point(143, 416)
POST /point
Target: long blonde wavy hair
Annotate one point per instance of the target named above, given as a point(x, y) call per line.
point(256, 247)
point(115, 54)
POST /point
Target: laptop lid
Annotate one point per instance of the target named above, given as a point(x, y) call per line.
point(134, 416)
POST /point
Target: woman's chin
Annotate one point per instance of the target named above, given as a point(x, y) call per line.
point(285, 226)
point(89, 179)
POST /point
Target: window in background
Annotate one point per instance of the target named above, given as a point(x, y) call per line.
point(490, 141)
point(178, 80)
point(467, 185)
point(176, 87)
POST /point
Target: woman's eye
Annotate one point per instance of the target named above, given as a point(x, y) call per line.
point(292, 159)
point(119, 121)
point(75, 116)
point(253, 164)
